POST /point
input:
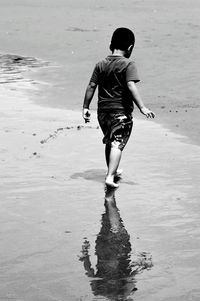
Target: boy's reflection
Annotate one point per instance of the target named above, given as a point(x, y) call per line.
point(114, 269)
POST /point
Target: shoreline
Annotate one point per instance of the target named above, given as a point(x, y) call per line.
point(179, 118)
point(182, 120)
point(166, 52)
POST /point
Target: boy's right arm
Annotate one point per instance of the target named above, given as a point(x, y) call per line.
point(87, 100)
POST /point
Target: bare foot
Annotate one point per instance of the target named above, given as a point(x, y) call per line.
point(110, 182)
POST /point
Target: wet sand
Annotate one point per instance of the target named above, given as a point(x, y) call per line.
point(63, 237)
point(52, 201)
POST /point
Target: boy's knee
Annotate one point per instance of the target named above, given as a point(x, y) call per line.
point(117, 144)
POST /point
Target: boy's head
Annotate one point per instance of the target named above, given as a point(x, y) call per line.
point(122, 39)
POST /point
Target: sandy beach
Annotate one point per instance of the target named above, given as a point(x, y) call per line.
point(63, 237)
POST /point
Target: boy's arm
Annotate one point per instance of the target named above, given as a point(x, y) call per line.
point(138, 100)
point(85, 257)
point(87, 100)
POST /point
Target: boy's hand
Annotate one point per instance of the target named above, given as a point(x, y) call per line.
point(86, 115)
point(148, 113)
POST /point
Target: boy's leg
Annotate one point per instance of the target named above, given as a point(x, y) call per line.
point(114, 160)
point(107, 156)
point(107, 153)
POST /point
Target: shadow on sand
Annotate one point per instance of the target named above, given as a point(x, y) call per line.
point(97, 175)
point(115, 271)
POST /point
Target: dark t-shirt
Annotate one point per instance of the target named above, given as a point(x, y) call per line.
point(111, 75)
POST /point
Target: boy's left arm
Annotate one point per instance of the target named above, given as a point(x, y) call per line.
point(87, 100)
point(138, 100)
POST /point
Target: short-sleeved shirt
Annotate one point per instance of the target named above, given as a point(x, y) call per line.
point(111, 75)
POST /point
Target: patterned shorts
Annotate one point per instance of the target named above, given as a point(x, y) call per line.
point(116, 128)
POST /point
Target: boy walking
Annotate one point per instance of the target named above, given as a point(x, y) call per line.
point(115, 77)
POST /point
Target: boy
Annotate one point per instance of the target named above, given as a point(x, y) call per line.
point(115, 77)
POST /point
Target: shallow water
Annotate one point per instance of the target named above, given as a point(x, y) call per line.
point(64, 238)
point(113, 276)
point(13, 67)
point(131, 248)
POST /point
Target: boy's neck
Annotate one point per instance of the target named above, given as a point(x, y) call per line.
point(118, 52)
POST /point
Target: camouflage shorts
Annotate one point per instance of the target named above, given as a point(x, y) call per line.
point(116, 128)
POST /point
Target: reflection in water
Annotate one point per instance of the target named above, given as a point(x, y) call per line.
point(113, 277)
